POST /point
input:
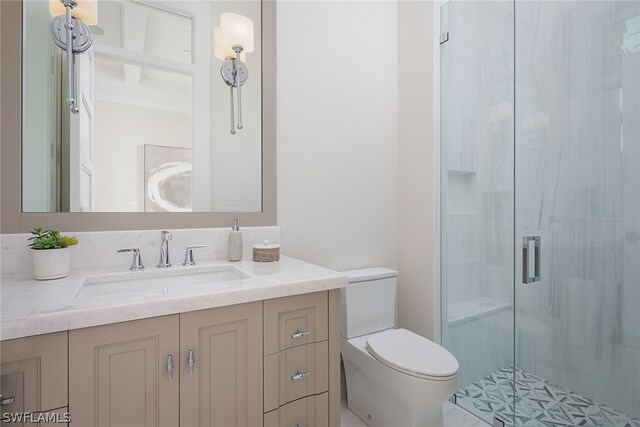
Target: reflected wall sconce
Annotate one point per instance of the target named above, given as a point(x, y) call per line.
point(233, 39)
point(70, 31)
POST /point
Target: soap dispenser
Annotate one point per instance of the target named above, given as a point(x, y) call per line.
point(235, 242)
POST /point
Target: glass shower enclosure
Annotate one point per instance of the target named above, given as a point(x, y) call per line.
point(540, 209)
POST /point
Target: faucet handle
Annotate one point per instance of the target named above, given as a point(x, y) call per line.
point(188, 255)
point(166, 235)
point(136, 264)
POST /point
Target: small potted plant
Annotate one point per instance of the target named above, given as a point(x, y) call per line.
point(50, 254)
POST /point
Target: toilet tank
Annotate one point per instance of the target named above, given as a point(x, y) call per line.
point(368, 301)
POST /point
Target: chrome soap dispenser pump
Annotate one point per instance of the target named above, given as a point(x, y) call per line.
point(235, 242)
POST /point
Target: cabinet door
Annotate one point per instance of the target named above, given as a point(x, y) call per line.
point(119, 374)
point(224, 385)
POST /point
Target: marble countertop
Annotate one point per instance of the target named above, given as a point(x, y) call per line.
point(30, 307)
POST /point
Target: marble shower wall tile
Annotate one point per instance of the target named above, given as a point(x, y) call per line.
point(98, 249)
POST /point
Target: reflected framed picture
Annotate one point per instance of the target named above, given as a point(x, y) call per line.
point(167, 179)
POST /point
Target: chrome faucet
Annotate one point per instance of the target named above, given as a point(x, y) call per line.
point(165, 236)
point(136, 265)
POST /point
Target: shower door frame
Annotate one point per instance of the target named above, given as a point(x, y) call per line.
point(438, 241)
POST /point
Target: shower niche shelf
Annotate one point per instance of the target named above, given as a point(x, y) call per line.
point(461, 193)
point(474, 308)
point(463, 262)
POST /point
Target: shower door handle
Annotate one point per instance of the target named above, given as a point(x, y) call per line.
point(530, 259)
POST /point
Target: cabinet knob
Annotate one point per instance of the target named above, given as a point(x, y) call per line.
point(170, 367)
point(297, 376)
point(298, 334)
point(191, 361)
point(6, 400)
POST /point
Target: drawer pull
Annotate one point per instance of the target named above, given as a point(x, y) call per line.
point(6, 400)
point(170, 367)
point(297, 334)
point(191, 360)
point(297, 376)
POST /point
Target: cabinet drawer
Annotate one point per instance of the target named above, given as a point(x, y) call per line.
point(34, 373)
point(294, 321)
point(294, 373)
point(312, 411)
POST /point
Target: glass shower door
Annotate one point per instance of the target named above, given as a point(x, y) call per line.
point(477, 206)
point(540, 209)
point(577, 148)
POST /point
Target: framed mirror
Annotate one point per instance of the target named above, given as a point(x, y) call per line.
point(172, 120)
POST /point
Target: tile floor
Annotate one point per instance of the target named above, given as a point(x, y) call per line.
point(539, 402)
point(454, 416)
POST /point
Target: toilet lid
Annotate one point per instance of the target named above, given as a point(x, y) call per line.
point(412, 354)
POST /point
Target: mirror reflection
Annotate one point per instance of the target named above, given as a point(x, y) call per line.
point(159, 109)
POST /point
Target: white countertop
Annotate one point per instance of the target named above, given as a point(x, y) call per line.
point(30, 307)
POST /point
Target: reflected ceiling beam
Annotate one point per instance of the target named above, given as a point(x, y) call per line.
point(134, 34)
point(141, 59)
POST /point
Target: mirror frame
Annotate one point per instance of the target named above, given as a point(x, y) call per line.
point(13, 220)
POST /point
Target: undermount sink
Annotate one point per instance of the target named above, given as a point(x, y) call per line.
point(174, 281)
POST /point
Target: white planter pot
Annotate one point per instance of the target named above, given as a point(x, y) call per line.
point(50, 263)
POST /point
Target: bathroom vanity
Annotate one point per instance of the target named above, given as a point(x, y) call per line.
point(217, 344)
point(260, 346)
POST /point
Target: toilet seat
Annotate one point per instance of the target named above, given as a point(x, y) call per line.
point(413, 355)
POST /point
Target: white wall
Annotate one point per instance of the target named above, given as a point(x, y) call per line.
point(417, 293)
point(356, 171)
point(337, 132)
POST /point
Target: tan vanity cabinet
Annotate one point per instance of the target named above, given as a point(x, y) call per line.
point(33, 373)
point(125, 374)
point(272, 362)
point(221, 366)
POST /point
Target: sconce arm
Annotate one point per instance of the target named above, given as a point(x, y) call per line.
point(74, 36)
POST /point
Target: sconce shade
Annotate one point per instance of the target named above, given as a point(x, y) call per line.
point(236, 30)
point(223, 52)
point(85, 11)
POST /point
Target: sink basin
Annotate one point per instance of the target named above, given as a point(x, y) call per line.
point(174, 281)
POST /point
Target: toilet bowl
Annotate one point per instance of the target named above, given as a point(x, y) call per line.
point(394, 377)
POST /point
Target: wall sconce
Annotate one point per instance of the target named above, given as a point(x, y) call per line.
point(233, 39)
point(70, 31)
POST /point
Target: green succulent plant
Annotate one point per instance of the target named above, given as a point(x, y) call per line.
point(50, 239)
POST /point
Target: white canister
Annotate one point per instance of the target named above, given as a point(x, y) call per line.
point(50, 263)
point(266, 252)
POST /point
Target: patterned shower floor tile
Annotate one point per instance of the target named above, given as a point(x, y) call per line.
point(538, 402)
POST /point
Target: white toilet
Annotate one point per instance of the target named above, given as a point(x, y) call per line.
point(394, 377)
